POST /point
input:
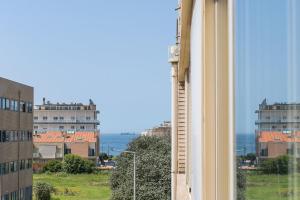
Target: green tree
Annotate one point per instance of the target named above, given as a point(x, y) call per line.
point(153, 175)
point(43, 191)
point(74, 164)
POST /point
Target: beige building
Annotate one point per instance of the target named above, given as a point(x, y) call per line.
point(272, 144)
point(203, 101)
point(55, 145)
point(65, 117)
point(163, 129)
point(16, 120)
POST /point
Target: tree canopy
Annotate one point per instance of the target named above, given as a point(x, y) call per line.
point(153, 170)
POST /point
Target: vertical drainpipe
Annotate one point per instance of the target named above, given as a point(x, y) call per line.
point(174, 129)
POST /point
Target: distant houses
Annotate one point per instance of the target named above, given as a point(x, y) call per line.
point(55, 145)
point(61, 129)
point(161, 130)
point(278, 130)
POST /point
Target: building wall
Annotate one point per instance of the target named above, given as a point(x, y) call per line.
point(196, 109)
point(65, 119)
point(16, 150)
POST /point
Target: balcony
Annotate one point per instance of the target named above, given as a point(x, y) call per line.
point(67, 122)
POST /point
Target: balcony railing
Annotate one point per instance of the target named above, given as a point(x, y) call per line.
point(67, 121)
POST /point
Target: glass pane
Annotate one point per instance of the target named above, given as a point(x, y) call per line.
point(268, 99)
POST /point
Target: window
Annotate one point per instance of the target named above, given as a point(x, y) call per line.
point(35, 127)
point(30, 107)
point(36, 118)
point(45, 118)
point(22, 106)
point(82, 127)
point(7, 104)
point(55, 118)
point(91, 152)
point(72, 118)
point(61, 118)
point(88, 118)
point(72, 127)
point(3, 103)
point(16, 106)
point(61, 127)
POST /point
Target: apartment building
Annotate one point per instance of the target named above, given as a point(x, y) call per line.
point(278, 116)
point(202, 101)
point(65, 117)
point(55, 145)
point(163, 129)
point(16, 120)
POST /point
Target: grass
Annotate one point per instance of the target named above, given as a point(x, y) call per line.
point(272, 187)
point(77, 187)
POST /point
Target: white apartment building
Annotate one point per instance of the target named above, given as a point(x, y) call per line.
point(65, 117)
point(278, 117)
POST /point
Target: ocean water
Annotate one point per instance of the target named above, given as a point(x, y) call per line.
point(245, 143)
point(113, 143)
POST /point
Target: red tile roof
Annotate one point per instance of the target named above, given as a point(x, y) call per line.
point(59, 137)
point(272, 136)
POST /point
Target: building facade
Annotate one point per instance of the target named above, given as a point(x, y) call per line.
point(55, 145)
point(16, 121)
point(278, 116)
point(65, 117)
point(272, 144)
point(163, 129)
point(202, 101)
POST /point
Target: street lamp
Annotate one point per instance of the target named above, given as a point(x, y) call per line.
point(134, 170)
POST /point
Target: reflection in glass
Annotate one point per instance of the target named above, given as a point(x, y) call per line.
point(268, 99)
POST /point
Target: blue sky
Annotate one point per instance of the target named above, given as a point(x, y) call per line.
point(267, 56)
point(114, 52)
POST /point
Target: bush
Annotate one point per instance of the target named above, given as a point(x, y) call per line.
point(280, 165)
point(43, 191)
point(53, 166)
point(74, 164)
point(153, 175)
point(241, 184)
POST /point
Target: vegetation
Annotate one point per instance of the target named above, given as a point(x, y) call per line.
point(241, 184)
point(43, 190)
point(53, 166)
point(272, 187)
point(77, 186)
point(153, 175)
point(280, 165)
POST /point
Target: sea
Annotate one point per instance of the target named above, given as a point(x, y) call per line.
point(245, 143)
point(114, 143)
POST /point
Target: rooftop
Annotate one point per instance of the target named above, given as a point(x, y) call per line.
point(277, 136)
point(63, 137)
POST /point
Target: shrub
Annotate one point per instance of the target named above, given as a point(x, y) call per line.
point(241, 184)
point(43, 191)
point(53, 166)
point(280, 165)
point(74, 164)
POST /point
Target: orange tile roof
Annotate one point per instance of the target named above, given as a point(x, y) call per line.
point(59, 137)
point(273, 136)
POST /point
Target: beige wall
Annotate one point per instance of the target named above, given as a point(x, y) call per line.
point(16, 121)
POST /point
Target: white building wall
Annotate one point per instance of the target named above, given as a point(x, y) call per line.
point(196, 99)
